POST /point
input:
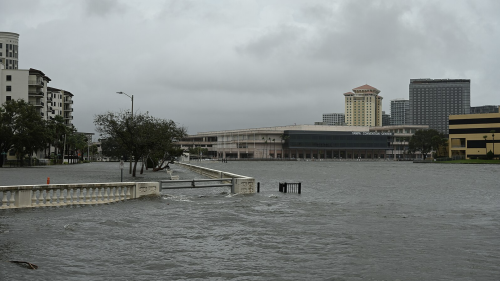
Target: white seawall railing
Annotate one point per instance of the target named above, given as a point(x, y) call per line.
point(242, 184)
point(48, 195)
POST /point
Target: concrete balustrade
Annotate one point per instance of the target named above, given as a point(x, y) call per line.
point(26, 196)
point(242, 184)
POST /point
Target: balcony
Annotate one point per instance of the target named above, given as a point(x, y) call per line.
point(69, 109)
point(68, 101)
point(37, 82)
point(35, 93)
point(37, 104)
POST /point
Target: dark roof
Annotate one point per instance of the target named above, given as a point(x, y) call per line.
point(39, 72)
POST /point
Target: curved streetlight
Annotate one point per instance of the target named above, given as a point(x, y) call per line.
point(132, 114)
point(131, 98)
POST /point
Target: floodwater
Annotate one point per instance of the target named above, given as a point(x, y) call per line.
point(353, 221)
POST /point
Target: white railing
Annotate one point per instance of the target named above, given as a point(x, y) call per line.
point(49, 195)
point(241, 184)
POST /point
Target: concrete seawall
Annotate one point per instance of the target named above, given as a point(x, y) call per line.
point(49, 195)
point(242, 184)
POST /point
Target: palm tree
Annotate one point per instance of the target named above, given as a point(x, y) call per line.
point(485, 148)
point(283, 138)
point(493, 136)
point(274, 140)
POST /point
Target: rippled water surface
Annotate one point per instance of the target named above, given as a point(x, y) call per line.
point(353, 221)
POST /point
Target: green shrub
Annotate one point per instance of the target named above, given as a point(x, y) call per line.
point(489, 155)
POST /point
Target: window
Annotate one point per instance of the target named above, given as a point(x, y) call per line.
point(9, 77)
point(8, 98)
point(9, 88)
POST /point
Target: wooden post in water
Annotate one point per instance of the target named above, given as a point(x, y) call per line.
point(258, 187)
point(300, 187)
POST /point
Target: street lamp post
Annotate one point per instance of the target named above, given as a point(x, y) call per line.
point(132, 114)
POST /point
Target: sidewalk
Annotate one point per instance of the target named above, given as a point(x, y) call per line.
point(96, 172)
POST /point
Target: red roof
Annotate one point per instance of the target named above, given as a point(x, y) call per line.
point(365, 87)
point(348, 94)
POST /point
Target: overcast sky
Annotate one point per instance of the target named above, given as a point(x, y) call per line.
point(221, 65)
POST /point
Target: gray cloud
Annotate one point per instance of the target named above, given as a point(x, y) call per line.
point(216, 65)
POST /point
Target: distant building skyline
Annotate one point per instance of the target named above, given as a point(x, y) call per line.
point(484, 109)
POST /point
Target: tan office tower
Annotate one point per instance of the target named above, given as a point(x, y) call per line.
point(363, 107)
point(9, 50)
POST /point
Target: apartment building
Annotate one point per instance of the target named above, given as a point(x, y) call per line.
point(60, 102)
point(9, 50)
point(37, 91)
point(333, 119)
point(363, 107)
point(399, 111)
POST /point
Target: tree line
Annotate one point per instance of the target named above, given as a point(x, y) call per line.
point(23, 131)
point(140, 137)
point(425, 141)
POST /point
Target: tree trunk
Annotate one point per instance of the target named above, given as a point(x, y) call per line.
point(135, 167)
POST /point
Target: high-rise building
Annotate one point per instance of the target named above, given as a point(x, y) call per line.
point(333, 118)
point(363, 107)
point(9, 49)
point(433, 100)
point(386, 119)
point(399, 111)
point(484, 109)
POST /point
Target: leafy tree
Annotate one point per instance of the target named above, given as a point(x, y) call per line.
point(112, 147)
point(22, 129)
point(425, 141)
point(140, 136)
point(77, 141)
point(56, 132)
point(198, 150)
point(164, 135)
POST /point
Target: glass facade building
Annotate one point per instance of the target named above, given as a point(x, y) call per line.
point(307, 144)
point(433, 100)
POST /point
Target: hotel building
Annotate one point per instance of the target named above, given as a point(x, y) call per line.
point(363, 107)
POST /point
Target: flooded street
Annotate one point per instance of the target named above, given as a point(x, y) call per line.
point(353, 221)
